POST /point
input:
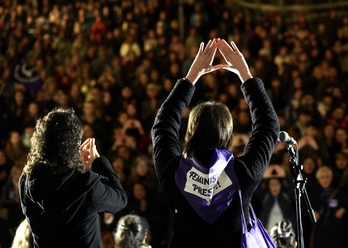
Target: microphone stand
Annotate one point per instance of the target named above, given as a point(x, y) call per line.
point(300, 191)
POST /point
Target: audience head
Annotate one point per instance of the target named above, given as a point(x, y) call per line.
point(275, 185)
point(283, 234)
point(324, 176)
point(132, 231)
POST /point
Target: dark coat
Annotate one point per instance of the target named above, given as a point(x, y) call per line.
point(63, 210)
point(189, 229)
point(329, 231)
point(285, 203)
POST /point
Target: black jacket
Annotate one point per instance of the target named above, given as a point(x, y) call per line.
point(189, 230)
point(63, 210)
point(285, 204)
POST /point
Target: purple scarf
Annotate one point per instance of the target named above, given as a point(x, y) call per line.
point(209, 190)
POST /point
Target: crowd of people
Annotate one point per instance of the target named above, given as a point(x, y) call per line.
point(114, 62)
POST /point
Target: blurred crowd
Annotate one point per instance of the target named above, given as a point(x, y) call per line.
point(115, 61)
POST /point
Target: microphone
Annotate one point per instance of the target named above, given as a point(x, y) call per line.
point(284, 137)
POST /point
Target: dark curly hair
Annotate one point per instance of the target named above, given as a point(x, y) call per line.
point(56, 142)
point(283, 234)
point(131, 230)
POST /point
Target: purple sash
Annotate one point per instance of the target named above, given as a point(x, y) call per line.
point(209, 190)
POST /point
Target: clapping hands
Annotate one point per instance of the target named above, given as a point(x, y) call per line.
point(234, 59)
point(89, 152)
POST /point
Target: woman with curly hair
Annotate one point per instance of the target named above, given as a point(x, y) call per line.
point(65, 185)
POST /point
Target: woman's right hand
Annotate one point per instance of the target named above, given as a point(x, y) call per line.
point(89, 152)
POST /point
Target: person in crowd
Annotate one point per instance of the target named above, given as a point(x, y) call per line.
point(89, 132)
point(277, 204)
point(108, 223)
point(339, 167)
point(330, 205)
point(66, 184)
point(341, 140)
point(17, 108)
point(132, 231)
point(310, 166)
point(119, 167)
point(15, 149)
point(90, 114)
point(329, 142)
point(143, 202)
point(283, 234)
point(5, 168)
point(142, 171)
point(198, 182)
point(10, 198)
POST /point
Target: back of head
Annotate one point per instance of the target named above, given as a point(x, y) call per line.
point(210, 126)
point(132, 231)
point(283, 234)
point(56, 141)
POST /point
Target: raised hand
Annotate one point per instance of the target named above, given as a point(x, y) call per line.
point(89, 152)
point(235, 61)
point(203, 61)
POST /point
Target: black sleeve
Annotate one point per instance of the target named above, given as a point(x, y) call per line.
point(165, 131)
point(264, 135)
point(108, 195)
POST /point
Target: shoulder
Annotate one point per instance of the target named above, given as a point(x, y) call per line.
point(84, 180)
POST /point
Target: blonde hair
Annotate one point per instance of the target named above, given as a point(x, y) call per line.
point(323, 169)
point(23, 237)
